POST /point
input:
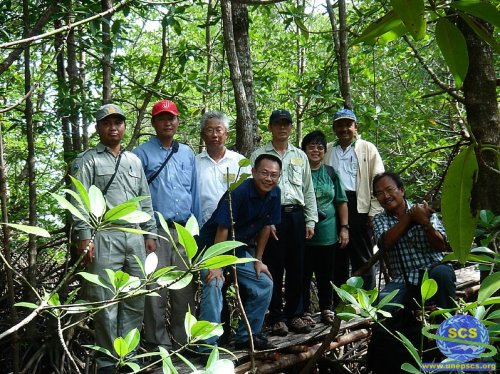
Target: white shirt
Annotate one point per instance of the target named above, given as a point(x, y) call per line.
point(345, 163)
point(213, 179)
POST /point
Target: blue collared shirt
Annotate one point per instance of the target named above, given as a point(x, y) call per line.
point(251, 213)
point(174, 191)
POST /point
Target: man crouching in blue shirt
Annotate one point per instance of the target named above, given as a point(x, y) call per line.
point(255, 207)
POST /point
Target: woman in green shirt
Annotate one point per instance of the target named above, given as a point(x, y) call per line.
point(319, 254)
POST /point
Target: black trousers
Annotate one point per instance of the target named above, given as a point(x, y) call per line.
point(286, 255)
point(319, 260)
point(360, 247)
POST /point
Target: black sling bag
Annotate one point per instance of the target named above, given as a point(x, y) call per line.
point(175, 148)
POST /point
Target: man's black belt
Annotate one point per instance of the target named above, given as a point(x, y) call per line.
point(170, 223)
point(291, 208)
point(350, 193)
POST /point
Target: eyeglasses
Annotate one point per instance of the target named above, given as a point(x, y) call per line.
point(217, 130)
point(312, 147)
point(387, 192)
point(266, 174)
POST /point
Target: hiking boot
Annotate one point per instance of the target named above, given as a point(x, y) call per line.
point(279, 328)
point(297, 325)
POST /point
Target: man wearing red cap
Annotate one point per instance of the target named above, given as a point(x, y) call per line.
point(170, 169)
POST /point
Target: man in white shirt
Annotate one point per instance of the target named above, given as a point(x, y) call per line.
point(217, 166)
point(356, 162)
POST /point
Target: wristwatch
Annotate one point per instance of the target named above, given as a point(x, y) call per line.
point(346, 226)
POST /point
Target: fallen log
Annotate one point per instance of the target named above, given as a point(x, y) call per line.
point(288, 360)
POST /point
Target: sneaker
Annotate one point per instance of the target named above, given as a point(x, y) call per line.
point(279, 328)
point(297, 325)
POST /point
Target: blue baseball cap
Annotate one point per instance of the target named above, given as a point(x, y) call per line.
point(344, 113)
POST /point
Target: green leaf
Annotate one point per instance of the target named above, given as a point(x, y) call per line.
point(387, 299)
point(133, 366)
point(162, 271)
point(346, 296)
point(132, 339)
point(77, 198)
point(82, 191)
point(355, 282)
point(244, 162)
point(243, 177)
point(409, 368)
point(203, 330)
point(97, 202)
point(428, 289)
point(220, 248)
point(174, 281)
point(481, 31)
point(133, 231)
point(489, 286)
point(410, 347)
point(192, 226)
point(187, 241)
point(214, 356)
point(120, 346)
point(385, 24)
point(25, 304)
point(65, 204)
point(151, 263)
point(101, 349)
point(111, 276)
point(480, 9)
point(121, 279)
point(29, 229)
point(392, 34)
point(411, 13)
point(459, 221)
point(452, 44)
point(93, 278)
point(119, 211)
point(189, 321)
point(221, 261)
point(137, 216)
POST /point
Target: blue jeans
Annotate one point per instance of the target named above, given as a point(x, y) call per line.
point(258, 291)
point(443, 274)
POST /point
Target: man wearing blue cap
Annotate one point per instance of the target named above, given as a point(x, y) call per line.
point(356, 162)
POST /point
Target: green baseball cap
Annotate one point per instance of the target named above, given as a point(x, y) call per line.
point(108, 110)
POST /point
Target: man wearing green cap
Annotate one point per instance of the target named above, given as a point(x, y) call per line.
point(119, 175)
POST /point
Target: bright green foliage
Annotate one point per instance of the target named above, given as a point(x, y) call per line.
point(411, 13)
point(452, 44)
point(458, 219)
point(29, 229)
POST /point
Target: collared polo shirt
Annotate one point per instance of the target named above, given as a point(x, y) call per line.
point(251, 212)
point(214, 177)
point(175, 189)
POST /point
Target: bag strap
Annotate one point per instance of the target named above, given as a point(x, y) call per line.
point(331, 173)
point(175, 148)
point(117, 165)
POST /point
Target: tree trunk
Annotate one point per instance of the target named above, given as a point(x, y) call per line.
point(484, 119)
point(341, 50)
point(11, 292)
point(73, 80)
point(107, 94)
point(246, 125)
point(301, 66)
point(28, 116)
point(83, 95)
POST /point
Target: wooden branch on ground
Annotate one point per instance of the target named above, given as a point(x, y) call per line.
point(288, 360)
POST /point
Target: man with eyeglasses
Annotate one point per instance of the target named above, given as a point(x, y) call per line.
point(285, 249)
point(356, 162)
point(413, 240)
point(255, 206)
point(216, 166)
point(170, 168)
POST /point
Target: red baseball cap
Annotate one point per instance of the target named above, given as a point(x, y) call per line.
point(164, 106)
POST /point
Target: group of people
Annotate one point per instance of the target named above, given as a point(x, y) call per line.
point(303, 212)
